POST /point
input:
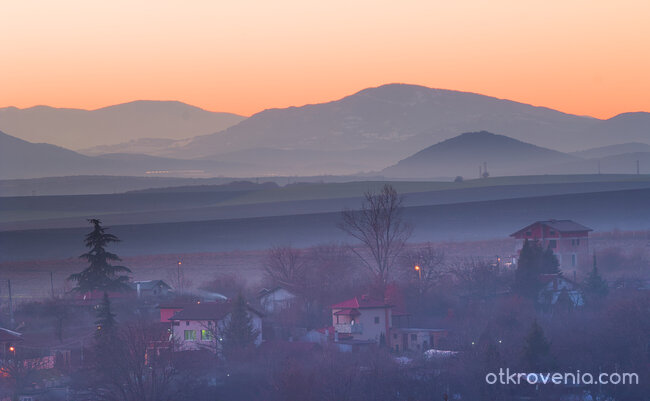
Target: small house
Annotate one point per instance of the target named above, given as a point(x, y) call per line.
point(151, 288)
point(200, 326)
point(568, 240)
point(276, 299)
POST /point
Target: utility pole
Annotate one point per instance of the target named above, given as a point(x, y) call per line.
point(52, 283)
point(11, 306)
point(637, 166)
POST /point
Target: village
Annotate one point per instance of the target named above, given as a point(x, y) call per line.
point(320, 327)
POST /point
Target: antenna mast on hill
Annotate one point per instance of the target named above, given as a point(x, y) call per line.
point(637, 166)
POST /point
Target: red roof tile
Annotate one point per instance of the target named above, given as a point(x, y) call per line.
point(362, 302)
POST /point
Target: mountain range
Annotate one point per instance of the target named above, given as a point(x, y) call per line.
point(463, 155)
point(391, 125)
point(78, 129)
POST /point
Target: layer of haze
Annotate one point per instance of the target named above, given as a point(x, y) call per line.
point(582, 56)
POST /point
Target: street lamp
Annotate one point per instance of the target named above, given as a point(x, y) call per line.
point(417, 269)
point(179, 277)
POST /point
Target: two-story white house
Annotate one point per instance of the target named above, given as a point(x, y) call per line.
point(199, 326)
point(362, 318)
point(367, 319)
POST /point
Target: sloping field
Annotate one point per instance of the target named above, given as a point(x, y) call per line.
point(625, 209)
point(178, 205)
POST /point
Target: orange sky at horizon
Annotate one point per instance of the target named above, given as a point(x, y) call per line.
point(577, 56)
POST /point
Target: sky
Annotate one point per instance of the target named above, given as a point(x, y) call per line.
point(581, 57)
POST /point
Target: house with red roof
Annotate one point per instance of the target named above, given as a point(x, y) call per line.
point(199, 326)
point(568, 240)
point(362, 318)
point(367, 320)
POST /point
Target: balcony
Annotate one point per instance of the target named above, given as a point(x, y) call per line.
point(346, 328)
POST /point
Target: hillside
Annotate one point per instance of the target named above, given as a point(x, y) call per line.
point(613, 150)
point(625, 163)
point(603, 211)
point(247, 199)
point(391, 122)
point(462, 156)
point(79, 129)
point(20, 159)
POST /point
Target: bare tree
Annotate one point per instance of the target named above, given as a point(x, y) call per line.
point(476, 277)
point(285, 266)
point(135, 368)
point(424, 266)
point(378, 225)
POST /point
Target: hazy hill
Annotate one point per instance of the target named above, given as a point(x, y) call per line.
point(612, 150)
point(148, 146)
point(22, 159)
point(463, 154)
point(402, 118)
point(79, 129)
point(625, 163)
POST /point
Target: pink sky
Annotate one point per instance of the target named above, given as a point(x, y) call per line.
point(578, 56)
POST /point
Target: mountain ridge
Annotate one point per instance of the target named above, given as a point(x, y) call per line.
point(79, 128)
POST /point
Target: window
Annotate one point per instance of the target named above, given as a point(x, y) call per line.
point(187, 323)
point(552, 232)
point(414, 337)
point(190, 335)
point(376, 319)
point(574, 259)
point(529, 233)
point(206, 335)
point(176, 323)
point(578, 242)
point(395, 336)
point(552, 244)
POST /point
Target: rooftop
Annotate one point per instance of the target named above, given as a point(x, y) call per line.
point(362, 302)
point(9, 335)
point(563, 226)
point(206, 311)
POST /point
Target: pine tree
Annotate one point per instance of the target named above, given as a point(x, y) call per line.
point(100, 275)
point(238, 332)
point(107, 349)
point(106, 323)
point(595, 288)
point(533, 261)
point(536, 353)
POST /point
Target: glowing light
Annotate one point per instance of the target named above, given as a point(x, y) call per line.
point(417, 268)
point(12, 349)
